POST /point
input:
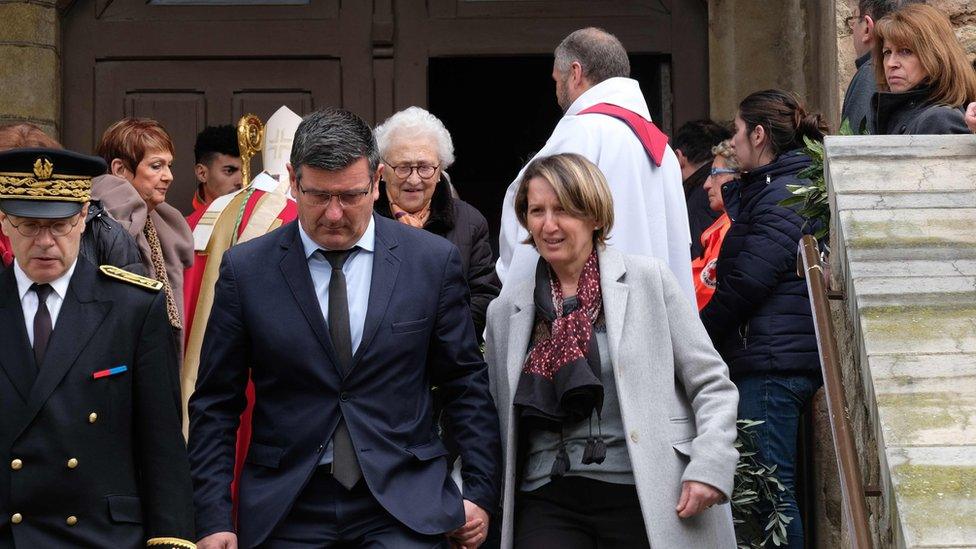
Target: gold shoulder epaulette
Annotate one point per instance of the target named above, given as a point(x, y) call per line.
point(131, 278)
point(170, 543)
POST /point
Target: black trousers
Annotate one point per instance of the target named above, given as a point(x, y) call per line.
point(579, 513)
point(327, 515)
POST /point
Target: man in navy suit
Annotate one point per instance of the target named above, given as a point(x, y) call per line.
point(345, 320)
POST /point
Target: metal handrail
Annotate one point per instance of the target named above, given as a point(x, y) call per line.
point(851, 485)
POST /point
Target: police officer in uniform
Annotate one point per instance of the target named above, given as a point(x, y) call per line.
point(91, 453)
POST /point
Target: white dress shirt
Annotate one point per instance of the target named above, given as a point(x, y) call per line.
point(358, 270)
point(28, 299)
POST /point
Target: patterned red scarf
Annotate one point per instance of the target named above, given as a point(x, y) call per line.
point(568, 335)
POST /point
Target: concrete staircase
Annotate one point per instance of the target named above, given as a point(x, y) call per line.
point(904, 253)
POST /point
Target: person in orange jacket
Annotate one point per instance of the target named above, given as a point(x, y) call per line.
point(725, 168)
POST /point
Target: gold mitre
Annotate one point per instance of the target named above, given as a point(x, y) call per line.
point(279, 134)
point(46, 183)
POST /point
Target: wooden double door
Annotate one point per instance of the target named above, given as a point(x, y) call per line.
point(481, 65)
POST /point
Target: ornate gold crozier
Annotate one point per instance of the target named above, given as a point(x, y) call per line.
point(250, 139)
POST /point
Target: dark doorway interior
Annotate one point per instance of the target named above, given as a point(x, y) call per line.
point(501, 110)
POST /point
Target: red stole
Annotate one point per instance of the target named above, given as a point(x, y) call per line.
point(647, 133)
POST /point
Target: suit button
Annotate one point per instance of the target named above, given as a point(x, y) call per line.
point(71, 521)
point(344, 396)
point(16, 464)
point(16, 518)
point(72, 463)
point(633, 436)
point(92, 417)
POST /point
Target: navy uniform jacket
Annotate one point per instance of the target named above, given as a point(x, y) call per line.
point(88, 462)
point(418, 332)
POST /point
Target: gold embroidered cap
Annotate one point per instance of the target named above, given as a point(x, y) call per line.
point(46, 183)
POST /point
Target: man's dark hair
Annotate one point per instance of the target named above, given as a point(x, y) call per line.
point(333, 139)
point(214, 140)
point(599, 53)
point(880, 8)
point(695, 139)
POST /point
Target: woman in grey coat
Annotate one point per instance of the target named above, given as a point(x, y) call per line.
point(617, 415)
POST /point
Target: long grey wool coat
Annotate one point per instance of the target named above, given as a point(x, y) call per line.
point(677, 402)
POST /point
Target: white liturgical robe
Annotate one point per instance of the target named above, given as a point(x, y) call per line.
point(650, 216)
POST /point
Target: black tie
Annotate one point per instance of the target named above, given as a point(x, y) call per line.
point(345, 465)
point(42, 322)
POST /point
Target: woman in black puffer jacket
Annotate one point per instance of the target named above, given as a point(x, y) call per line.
point(759, 318)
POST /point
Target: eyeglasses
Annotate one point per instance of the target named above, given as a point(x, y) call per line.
point(30, 229)
point(852, 20)
point(720, 171)
point(347, 199)
point(404, 171)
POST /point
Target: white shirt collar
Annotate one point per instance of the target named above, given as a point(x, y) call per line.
point(366, 242)
point(623, 92)
point(59, 285)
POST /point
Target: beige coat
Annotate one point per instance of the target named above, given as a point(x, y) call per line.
point(123, 203)
point(677, 402)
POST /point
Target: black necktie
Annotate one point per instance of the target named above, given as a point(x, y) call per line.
point(345, 465)
point(42, 322)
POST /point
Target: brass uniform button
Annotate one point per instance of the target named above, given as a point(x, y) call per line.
point(16, 464)
point(72, 463)
point(92, 417)
point(16, 518)
point(71, 521)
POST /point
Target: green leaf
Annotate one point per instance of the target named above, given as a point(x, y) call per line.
point(845, 127)
point(791, 201)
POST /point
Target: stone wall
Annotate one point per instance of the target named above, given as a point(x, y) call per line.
point(30, 82)
point(903, 253)
point(962, 13)
point(786, 44)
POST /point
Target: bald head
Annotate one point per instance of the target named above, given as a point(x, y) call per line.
point(599, 53)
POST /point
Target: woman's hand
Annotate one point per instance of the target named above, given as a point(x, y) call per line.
point(971, 117)
point(695, 498)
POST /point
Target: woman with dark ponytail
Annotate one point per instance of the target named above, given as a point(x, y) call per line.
point(759, 318)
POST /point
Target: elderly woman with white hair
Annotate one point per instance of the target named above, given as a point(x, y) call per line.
point(416, 149)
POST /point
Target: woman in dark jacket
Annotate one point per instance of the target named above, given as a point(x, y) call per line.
point(759, 317)
point(105, 241)
point(924, 78)
point(416, 149)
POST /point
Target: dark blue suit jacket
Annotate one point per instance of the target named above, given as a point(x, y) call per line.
point(418, 333)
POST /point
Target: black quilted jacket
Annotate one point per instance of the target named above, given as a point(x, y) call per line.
point(759, 318)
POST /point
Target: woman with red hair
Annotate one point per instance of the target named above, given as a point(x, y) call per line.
point(139, 153)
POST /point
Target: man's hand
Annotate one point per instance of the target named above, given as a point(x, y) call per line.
point(971, 117)
point(695, 498)
point(220, 540)
point(475, 529)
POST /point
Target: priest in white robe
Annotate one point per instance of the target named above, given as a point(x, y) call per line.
point(650, 217)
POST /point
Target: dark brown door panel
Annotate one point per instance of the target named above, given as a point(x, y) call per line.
point(188, 95)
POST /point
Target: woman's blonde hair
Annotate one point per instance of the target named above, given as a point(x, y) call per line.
point(580, 186)
point(928, 33)
point(727, 152)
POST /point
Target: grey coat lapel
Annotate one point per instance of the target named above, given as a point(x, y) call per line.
point(615, 290)
point(520, 325)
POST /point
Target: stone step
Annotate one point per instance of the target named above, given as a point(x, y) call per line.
point(935, 493)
